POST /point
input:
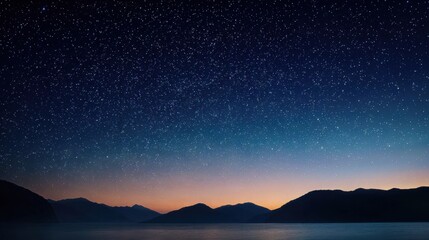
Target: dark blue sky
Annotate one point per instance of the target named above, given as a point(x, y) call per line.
point(160, 96)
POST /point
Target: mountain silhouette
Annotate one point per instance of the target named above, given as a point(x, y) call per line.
point(241, 213)
point(198, 213)
point(361, 205)
point(136, 213)
point(83, 210)
point(18, 204)
point(201, 213)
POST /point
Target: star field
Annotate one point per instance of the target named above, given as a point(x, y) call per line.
point(137, 101)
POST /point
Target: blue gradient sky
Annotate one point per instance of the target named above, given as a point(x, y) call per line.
point(169, 104)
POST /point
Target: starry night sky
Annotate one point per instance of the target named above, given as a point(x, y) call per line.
point(167, 104)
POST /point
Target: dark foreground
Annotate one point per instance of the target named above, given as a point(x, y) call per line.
point(344, 231)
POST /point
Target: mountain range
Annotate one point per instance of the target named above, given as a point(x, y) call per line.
point(83, 210)
point(18, 204)
point(361, 205)
point(201, 213)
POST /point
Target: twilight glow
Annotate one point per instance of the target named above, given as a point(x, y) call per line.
point(170, 104)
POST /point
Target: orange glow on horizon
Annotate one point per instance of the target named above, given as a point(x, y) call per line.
point(271, 192)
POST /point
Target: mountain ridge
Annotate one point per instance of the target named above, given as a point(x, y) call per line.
point(359, 205)
point(17, 204)
point(84, 210)
point(201, 213)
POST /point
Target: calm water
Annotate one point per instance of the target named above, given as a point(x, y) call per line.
point(367, 231)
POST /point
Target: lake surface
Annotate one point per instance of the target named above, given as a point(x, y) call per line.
point(344, 231)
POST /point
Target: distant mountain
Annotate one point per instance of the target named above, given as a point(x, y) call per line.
point(361, 205)
point(243, 212)
point(198, 213)
point(83, 210)
point(18, 204)
point(136, 213)
point(201, 213)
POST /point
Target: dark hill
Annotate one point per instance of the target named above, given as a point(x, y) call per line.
point(201, 213)
point(18, 204)
point(83, 210)
point(242, 212)
point(136, 213)
point(198, 213)
point(361, 205)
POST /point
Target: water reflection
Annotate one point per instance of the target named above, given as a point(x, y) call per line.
point(379, 231)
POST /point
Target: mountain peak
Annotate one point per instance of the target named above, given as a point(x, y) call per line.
point(240, 205)
point(79, 199)
point(138, 206)
point(245, 204)
point(200, 206)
